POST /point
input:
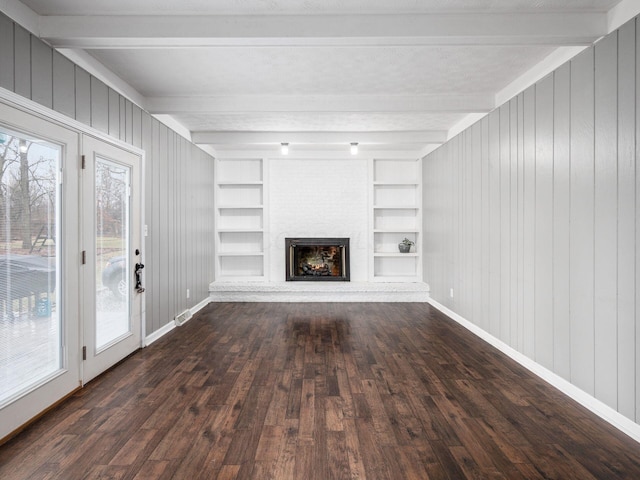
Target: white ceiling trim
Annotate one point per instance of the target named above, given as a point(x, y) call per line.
point(327, 138)
point(155, 31)
point(321, 104)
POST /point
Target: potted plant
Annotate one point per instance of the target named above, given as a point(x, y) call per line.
point(405, 245)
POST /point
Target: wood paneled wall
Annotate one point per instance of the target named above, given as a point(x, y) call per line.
point(532, 216)
point(179, 175)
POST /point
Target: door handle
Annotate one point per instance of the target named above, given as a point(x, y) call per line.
point(138, 274)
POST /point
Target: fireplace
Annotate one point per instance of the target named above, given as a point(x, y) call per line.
point(317, 259)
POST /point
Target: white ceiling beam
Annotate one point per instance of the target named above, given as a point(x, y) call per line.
point(21, 14)
point(321, 103)
point(326, 138)
point(156, 31)
point(621, 14)
point(98, 70)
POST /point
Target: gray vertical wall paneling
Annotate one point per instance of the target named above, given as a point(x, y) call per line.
point(494, 252)
point(479, 286)
point(626, 218)
point(136, 126)
point(543, 283)
point(513, 223)
point(426, 221)
point(146, 143)
point(99, 105)
point(204, 218)
point(439, 254)
point(155, 221)
point(637, 217)
point(190, 241)
point(444, 221)
point(561, 220)
point(6, 53)
point(184, 239)
point(128, 121)
point(505, 224)
point(433, 228)
point(520, 216)
point(573, 150)
point(606, 219)
point(581, 234)
point(171, 191)
point(83, 95)
point(428, 225)
point(464, 290)
point(163, 220)
point(182, 166)
point(529, 212)
point(482, 214)
point(114, 113)
point(22, 61)
point(64, 85)
point(450, 221)
point(122, 135)
point(454, 159)
point(459, 298)
point(41, 72)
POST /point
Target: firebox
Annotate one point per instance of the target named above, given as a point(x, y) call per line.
point(317, 259)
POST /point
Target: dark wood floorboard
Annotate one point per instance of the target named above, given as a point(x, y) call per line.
point(319, 391)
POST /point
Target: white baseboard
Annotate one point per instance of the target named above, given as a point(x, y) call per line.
point(149, 339)
point(604, 411)
point(199, 306)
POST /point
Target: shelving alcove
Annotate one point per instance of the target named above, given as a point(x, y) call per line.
point(396, 202)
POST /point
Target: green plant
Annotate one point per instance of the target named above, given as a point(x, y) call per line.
point(406, 241)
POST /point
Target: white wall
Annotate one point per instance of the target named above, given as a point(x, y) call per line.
point(318, 198)
point(531, 216)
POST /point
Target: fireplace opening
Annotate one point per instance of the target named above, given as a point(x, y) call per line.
point(317, 259)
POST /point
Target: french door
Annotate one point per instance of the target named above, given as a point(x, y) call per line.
point(70, 242)
point(112, 257)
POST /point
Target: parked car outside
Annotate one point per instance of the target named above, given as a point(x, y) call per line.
point(114, 278)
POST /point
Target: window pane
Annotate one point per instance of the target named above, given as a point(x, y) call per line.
point(112, 252)
point(30, 323)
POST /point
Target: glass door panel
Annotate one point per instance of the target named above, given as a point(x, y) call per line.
point(113, 268)
point(30, 323)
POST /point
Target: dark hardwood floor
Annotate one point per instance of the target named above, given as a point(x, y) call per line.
point(319, 391)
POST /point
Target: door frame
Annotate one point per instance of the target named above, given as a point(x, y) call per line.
point(97, 361)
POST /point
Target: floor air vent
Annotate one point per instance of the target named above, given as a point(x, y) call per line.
point(183, 317)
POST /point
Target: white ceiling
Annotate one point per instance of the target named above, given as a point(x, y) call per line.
point(241, 72)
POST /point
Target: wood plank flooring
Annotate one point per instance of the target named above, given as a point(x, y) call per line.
point(319, 391)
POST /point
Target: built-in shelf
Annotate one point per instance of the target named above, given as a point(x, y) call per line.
point(396, 205)
point(239, 200)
